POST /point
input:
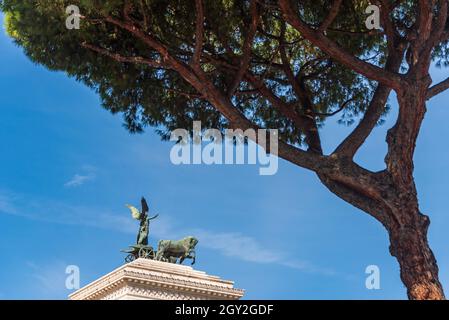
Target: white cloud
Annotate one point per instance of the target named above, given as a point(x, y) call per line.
point(249, 249)
point(238, 246)
point(307, 267)
point(80, 179)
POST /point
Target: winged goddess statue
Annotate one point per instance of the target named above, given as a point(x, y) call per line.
point(142, 216)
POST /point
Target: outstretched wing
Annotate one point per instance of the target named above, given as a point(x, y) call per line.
point(144, 205)
point(134, 212)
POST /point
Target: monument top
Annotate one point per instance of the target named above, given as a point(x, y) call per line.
point(155, 275)
point(168, 250)
point(156, 280)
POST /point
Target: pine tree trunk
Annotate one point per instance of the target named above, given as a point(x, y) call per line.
point(406, 225)
point(419, 269)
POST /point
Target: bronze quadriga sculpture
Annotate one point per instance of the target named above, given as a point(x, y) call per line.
point(168, 250)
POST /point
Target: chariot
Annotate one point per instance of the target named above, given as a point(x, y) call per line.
point(139, 251)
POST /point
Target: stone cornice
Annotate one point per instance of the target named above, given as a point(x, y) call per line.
point(158, 280)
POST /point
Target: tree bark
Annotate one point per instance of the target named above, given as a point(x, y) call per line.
point(419, 269)
point(407, 226)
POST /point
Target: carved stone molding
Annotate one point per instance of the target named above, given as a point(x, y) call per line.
point(155, 280)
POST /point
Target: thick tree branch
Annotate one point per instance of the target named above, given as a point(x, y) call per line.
point(401, 138)
point(390, 79)
point(428, 32)
point(357, 198)
point(144, 37)
point(438, 88)
point(354, 141)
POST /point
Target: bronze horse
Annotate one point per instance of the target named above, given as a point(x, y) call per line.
point(172, 250)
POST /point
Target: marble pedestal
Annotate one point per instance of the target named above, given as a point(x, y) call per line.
point(145, 279)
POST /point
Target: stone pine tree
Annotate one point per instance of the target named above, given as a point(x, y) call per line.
point(287, 64)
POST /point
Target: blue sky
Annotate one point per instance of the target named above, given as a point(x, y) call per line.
point(68, 167)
